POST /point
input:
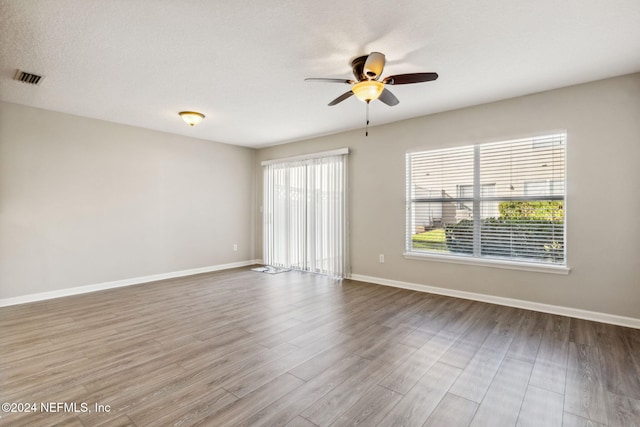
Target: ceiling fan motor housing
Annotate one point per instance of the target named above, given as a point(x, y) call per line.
point(368, 67)
point(357, 65)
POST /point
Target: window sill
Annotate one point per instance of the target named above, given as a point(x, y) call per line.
point(510, 265)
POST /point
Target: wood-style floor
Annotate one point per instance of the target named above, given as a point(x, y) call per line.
point(239, 348)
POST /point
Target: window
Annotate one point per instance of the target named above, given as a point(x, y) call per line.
point(501, 201)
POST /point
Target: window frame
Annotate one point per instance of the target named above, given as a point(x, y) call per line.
point(474, 258)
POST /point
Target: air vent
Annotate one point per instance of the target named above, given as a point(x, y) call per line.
point(29, 78)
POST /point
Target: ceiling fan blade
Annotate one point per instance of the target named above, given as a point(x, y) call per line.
point(325, 80)
point(405, 79)
point(341, 98)
point(388, 98)
point(374, 65)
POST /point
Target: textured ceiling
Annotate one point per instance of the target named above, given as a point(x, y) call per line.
point(243, 63)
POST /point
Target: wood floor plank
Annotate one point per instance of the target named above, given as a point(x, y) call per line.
point(158, 406)
point(557, 327)
point(288, 407)
point(300, 422)
point(622, 410)
point(16, 371)
point(466, 347)
point(585, 392)
point(241, 385)
point(374, 349)
point(452, 411)
point(417, 338)
point(324, 360)
point(412, 314)
point(618, 371)
point(207, 402)
point(509, 321)
point(306, 350)
point(571, 420)
point(308, 335)
point(255, 401)
point(409, 373)
point(469, 315)
point(69, 422)
point(418, 404)
point(541, 408)
point(632, 344)
point(49, 420)
point(475, 379)
point(583, 332)
point(195, 357)
point(118, 378)
point(370, 409)
point(502, 403)
point(442, 318)
point(331, 406)
point(121, 421)
point(527, 338)
point(550, 366)
point(124, 395)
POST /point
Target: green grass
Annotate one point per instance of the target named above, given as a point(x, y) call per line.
point(433, 240)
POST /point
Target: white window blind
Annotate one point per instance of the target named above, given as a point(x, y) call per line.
point(305, 214)
point(502, 200)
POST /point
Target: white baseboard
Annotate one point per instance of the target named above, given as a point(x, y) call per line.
point(120, 283)
point(528, 305)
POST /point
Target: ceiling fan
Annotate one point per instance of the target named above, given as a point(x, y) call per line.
point(368, 87)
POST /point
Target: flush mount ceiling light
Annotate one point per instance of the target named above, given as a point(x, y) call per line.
point(192, 118)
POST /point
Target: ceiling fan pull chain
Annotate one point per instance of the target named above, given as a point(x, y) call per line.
point(366, 132)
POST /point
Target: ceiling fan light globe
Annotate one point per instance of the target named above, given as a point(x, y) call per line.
point(368, 90)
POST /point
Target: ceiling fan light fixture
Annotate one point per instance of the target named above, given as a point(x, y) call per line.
point(191, 118)
point(367, 90)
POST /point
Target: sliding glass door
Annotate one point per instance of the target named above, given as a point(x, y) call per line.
point(305, 214)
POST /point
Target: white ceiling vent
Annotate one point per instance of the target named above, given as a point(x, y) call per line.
point(29, 78)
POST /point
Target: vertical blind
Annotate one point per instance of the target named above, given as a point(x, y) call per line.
point(500, 200)
point(305, 225)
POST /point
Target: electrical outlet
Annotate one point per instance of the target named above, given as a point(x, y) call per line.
point(381, 258)
point(235, 247)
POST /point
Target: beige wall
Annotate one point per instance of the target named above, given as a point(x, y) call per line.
point(602, 120)
point(84, 202)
